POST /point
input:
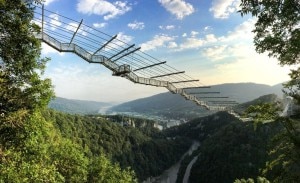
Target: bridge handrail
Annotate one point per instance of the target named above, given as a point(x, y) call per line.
point(81, 52)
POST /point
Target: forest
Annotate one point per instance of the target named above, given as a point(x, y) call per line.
point(38, 144)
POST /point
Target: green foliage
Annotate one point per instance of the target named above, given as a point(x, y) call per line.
point(284, 164)
point(103, 171)
point(201, 128)
point(21, 85)
point(235, 151)
point(31, 148)
point(292, 87)
point(263, 112)
point(146, 150)
point(277, 28)
point(270, 98)
point(17, 168)
point(70, 161)
point(22, 90)
point(31, 161)
point(249, 180)
point(45, 156)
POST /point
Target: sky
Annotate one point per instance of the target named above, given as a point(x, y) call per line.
point(207, 39)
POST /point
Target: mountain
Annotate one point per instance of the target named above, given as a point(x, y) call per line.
point(270, 98)
point(174, 106)
point(244, 92)
point(170, 106)
point(77, 106)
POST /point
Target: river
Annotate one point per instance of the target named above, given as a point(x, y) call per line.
point(170, 175)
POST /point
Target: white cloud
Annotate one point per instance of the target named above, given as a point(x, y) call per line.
point(194, 43)
point(99, 25)
point(83, 30)
point(239, 63)
point(92, 82)
point(46, 50)
point(191, 43)
point(206, 28)
point(179, 8)
point(215, 53)
point(157, 41)
point(241, 32)
point(136, 25)
point(72, 26)
point(247, 65)
point(54, 22)
point(194, 33)
point(47, 2)
point(102, 7)
point(235, 59)
point(124, 38)
point(210, 38)
point(167, 27)
point(223, 8)
point(172, 45)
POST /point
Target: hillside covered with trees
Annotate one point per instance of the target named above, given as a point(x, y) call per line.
point(145, 149)
point(31, 148)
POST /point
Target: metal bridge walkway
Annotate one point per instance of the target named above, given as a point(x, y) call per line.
point(124, 60)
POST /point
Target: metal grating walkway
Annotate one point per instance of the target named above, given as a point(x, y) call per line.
point(124, 60)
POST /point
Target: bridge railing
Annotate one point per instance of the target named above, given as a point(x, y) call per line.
point(113, 54)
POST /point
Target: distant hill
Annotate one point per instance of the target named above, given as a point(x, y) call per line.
point(244, 92)
point(175, 106)
point(270, 98)
point(171, 106)
point(77, 106)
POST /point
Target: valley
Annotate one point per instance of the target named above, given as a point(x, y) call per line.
point(160, 153)
point(167, 109)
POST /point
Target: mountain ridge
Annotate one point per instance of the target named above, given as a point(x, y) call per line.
point(167, 104)
point(74, 106)
point(175, 106)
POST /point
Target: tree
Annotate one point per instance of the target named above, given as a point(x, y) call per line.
point(277, 28)
point(32, 162)
point(102, 170)
point(23, 93)
point(259, 180)
point(31, 149)
point(277, 32)
point(22, 89)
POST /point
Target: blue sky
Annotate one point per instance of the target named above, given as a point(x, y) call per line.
point(207, 39)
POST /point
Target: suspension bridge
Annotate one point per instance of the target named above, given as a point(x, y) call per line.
point(124, 60)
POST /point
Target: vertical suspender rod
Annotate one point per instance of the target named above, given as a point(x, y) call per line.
point(43, 21)
point(76, 31)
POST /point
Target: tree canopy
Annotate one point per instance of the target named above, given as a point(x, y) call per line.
point(31, 148)
point(277, 29)
point(22, 88)
point(277, 32)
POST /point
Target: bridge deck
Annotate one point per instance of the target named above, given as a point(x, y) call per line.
point(128, 61)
